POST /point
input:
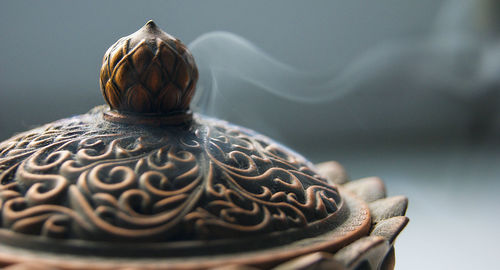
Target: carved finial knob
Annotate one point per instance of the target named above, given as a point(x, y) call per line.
point(148, 71)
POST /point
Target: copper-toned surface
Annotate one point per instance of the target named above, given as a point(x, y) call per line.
point(356, 226)
point(369, 252)
point(86, 178)
point(147, 184)
point(173, 119)
point(373, 251)
point(148, 72)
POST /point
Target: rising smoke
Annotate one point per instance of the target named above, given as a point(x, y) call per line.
point(442, 84)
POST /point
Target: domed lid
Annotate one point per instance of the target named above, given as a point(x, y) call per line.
point(145, 177)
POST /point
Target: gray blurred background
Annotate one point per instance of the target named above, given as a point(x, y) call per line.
point(405, 90)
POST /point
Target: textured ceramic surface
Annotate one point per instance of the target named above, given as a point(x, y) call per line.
point(148, 72)
point(145, 183)
point(86, 178)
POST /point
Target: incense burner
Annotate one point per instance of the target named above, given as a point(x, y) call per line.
point(144, 183)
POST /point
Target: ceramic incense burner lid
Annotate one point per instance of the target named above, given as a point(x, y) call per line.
point(145, 183)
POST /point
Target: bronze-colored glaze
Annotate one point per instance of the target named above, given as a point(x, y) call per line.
point(148, 72)
point(147, 184)
point(211, 181)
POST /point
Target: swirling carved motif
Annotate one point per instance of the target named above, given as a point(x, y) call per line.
point(85, 178)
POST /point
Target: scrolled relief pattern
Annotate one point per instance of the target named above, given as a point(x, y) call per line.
point(78, 179)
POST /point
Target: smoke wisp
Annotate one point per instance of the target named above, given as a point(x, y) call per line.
point(443, 82)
